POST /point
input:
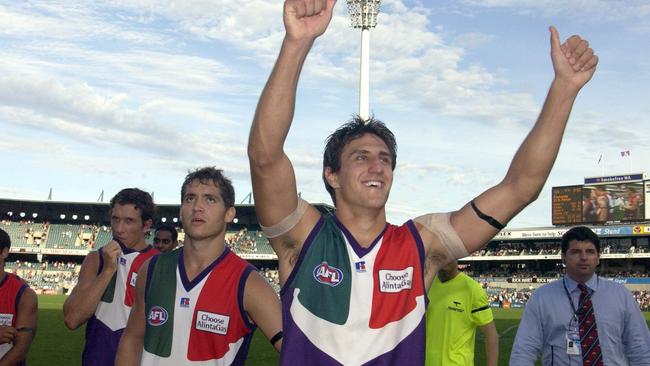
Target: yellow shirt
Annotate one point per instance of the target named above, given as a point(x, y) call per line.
point(456, 308)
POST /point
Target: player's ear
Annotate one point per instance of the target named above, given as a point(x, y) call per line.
point(230, 214)
point(331, 177)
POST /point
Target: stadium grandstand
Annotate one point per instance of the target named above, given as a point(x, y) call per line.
point(50, 240)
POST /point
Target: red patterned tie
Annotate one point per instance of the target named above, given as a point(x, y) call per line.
point(591, 355)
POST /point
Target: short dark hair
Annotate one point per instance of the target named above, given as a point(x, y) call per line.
point(352, 130)
point(140, 199)
point(580, 233)
point(167, 227)
point(5, 240)
point(214, 175)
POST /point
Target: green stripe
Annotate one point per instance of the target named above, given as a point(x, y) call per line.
point(109, 293)
point(331, 303)
point(162, 292)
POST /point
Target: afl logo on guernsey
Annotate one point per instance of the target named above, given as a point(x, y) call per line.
point(328, 275)
point(157, 316)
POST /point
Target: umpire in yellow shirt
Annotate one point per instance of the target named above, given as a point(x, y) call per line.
point(457, 306)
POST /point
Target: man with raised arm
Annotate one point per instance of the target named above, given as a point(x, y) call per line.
point(105, 292)
point(354, 286)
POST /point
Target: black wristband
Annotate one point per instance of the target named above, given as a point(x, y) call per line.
point(487, 218)
point(276, 338)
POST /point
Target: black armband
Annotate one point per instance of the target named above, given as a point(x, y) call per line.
point(487, 218)
point(276, 338)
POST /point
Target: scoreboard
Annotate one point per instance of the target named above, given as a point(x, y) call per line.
point(602, 200)
point(567, 205)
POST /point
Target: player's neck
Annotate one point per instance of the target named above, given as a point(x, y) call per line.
point(200, 253)
point(140, 245)
point(364, 224)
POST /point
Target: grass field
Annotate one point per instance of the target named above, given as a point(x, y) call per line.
point(55, 345)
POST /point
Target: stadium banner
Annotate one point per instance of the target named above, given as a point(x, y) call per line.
point(64, 251)
point(641, 230)
point(527, 234)
point(531, 279)
point(614, 230)
point(556, 233)
point(15, 249)
point(625, 178)
point(631, 280)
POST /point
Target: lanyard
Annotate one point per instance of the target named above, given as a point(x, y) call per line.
point(577, 311)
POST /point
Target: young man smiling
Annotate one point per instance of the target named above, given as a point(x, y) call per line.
point(200, 304)
point(354, 286)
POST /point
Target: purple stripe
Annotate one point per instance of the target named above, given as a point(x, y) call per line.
point(240, 296)
point(303, 251)
point(298, 350)
point(189, 285)
point(101, 344)
point(19, 294)
point(358, 249)
point(420, 245)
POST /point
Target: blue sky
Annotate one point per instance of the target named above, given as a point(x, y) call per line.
point(102, 95)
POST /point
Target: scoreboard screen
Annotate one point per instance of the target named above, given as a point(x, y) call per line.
point(567, 205)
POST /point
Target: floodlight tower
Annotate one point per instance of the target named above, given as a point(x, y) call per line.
point(363, 14)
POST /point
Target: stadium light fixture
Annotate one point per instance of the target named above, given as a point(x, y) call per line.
point(74, 217)
point(62, 216)
point(164, 219)
point(235, 220)
point(87, 217)
point(175, 219)
point(10, 213)
point(34, 215)
point(22, 214)
point(363, 14)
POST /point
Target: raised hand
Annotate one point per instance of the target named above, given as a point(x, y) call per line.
point(307, 19)
point(574, 61)
point(110, 254)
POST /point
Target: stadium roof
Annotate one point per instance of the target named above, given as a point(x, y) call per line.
point(98, 213)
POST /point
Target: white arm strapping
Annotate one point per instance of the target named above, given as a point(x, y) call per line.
point(287, 223)
point(439, 224)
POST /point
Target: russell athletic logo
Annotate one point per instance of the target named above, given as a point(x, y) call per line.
point(328, 275)
point(157, 316)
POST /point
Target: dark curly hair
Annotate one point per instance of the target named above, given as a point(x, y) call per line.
point(211, 174)
point(137, 197)
point(352, 130)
